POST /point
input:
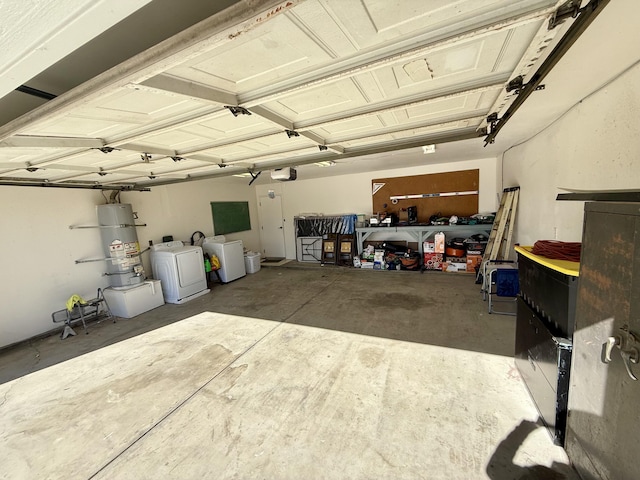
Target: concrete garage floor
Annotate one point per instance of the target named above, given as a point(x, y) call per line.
point(297, 371)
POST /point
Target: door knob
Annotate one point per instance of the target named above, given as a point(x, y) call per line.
point(628, 345)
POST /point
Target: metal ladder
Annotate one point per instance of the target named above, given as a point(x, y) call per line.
point(499, 244)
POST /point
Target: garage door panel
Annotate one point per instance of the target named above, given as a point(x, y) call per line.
point(433, 109)
point(174, 140)
point(152, 105)
point(97, 159)
point(338, 96)
point(407, 130)
point(350, 127)
point(297, 42)
point(229, 126)
point(295, 150)
point(280, 143)
point(372, 22)
point(20, 155)
point(123, 111)
point(409, 134)
point(487, 98)
point(429, 112)
point(72, 126)
point(260, 57)
point(141, 105)
point(458, 64)
point(232, 152)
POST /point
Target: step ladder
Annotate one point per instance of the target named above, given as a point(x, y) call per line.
point(499, 244)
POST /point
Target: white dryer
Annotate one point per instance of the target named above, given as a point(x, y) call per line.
point(230, 254)
point(180, 269)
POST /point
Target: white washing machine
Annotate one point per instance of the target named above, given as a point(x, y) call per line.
point(180, 268)
point(230, 254)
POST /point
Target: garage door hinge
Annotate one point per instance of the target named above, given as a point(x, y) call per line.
point(292, 133)
point(517, 84)
point(569, 9)
point(237, 110)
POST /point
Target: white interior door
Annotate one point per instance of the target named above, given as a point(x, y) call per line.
point(271, 227)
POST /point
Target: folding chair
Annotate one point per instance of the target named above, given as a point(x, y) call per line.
point(329, 249)
point(486, 267)
point(503, 282)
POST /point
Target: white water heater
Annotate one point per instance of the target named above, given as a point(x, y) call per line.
point(120, 244)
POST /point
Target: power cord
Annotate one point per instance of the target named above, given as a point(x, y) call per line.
point(558, 250)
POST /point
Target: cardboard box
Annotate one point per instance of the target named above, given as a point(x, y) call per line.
point(428, 247)
point(476, 248)
point(433, 261)
point(454, 264)
point(473, 261)
point(439, 242)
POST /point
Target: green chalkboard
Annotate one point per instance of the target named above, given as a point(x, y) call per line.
point(229, 217)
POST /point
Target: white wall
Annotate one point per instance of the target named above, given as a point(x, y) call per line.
point(352, 193)
point(38, 250)
point(595, 146)
point(181, 209)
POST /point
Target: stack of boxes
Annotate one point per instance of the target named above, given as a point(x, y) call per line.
point(475, 250)
point(434, 258)
point(434, 252)
point(455, 264)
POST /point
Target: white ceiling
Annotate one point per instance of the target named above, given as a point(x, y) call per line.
point(363, 83)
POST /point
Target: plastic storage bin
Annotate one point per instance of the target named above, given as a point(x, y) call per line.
point(252, 262)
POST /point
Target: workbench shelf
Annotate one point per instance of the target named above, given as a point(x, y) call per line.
point(417, 233)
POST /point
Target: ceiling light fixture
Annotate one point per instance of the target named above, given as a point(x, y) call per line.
point(426, 149)
point(243, 175)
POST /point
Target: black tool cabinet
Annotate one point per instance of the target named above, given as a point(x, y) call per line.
point(544, 327)
point(604, 396)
